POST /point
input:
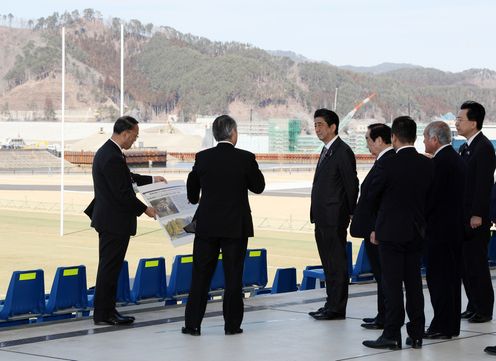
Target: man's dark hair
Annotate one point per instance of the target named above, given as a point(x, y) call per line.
point(405, 129)
point(475, 113)
point(329, 116)
point(380, 130)
point(124, 123)
point(223, 127)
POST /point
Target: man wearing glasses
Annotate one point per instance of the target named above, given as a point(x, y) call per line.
point(113, 214)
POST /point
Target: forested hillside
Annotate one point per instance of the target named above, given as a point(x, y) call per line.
point(170, 73)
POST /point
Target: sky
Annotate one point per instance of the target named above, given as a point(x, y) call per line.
point(448, 35)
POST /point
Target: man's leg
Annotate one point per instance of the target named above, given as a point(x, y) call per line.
point(477, 277)
point(373, 255)
point(413, 289)
point(233, 257)
point(392, 262)
point(112, 250)
point(331, 243)
point(205, 256)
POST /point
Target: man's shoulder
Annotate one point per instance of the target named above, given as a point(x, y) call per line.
point(424, 159)
point(340, 144)
point(216, 152)
point(244, 153)
point(481, 148)
point(107, 149)
point(484, 142)
point(386, 157)
point(448, 153)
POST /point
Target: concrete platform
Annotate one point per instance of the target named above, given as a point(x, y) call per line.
point(276, 327)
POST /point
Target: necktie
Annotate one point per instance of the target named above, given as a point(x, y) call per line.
point(464, 151)
point(322, 156)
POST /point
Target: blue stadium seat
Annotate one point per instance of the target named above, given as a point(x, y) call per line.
point(25, 295)
point(308, 283)
point(316, 274)
point(362, 270)
point(492, 250)
point(255, 268)
point(123, 293)
point(349, 256)
point(68, 293)
point(218, 281)
point(150, 280)
point(284, 281)
point(312, 273)
point(180, 278)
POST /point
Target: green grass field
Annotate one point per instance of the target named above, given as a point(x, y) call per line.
point(31, 240)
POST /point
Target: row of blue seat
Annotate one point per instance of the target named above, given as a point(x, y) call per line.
point(69, 296)
point(362, 271)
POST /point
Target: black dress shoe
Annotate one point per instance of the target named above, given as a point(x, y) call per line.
point(113, 320)
point(191, 331)
point(383, 342)
point(373, 326)
point(491, 350)
point(477, 318)
point(369, 319)
point(233, 332)
point(327, 315)
point(123, 316)
point(467, 314)
point(415, 343)
point(320, 310)
point(433, 335)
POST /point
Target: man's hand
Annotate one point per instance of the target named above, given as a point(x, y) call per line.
point(159, 178)
point(151, 212)
point(372, 238)
point(475, 222)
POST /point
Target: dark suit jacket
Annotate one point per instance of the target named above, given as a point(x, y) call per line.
point(492, 207)
point(335, 186)
point(224, 174)
point(480, 178)
point(399, 193)
point(115, 206)
point(363, 222)
point(445, 210)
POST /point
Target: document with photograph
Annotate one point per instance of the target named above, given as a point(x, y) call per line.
point(174, 211)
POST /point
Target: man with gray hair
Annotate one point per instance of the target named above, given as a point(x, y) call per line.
point(444, 233)
point(223, 175)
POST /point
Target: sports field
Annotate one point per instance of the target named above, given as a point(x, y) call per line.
point(30, 230)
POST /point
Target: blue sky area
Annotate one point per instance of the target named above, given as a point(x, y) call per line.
point(448, 35)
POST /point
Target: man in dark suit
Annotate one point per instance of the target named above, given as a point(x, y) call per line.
point(444, 232)
point(113, 214)
point(399, 193)
point(478, 153)
point(334, 195)
point(378, 138)
point(224, 175)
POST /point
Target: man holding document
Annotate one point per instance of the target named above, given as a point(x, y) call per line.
point(113, 214)
point(224, 175)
